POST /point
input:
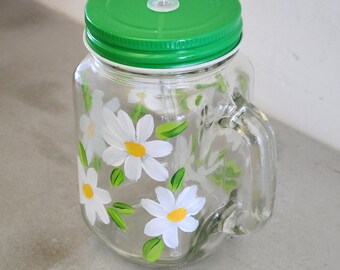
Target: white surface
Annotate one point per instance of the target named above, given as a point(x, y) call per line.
point(295, 48)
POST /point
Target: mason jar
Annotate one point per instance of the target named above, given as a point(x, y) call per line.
point(172, 156)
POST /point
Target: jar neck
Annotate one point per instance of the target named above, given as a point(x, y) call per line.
point(195, 69)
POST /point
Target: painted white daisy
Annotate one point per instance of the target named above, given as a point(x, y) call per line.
point(185, 158)
point(151, 98)
point(130, 146)
point(91, 125)
point(156, 100)
point(172, 214)
point(91, 196)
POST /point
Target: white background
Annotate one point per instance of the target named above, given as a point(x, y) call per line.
point(295, 48)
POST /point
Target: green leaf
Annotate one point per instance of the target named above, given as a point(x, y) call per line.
point(198, 100)
point(182, 100)
point(82, 155)
point(124, 208)
point(222, 85)
point(87, 97)
point(243, 84)
point(217, 179)
point(117, 219)
point(170, 130)
point(197, 162)
point(222, 154)
point(205, 86)
point(117, 177)
point(138, 112)
point(207, 157)
point(194, 144)
point(229, 185)
point(96, 163)
point(232, 170)
point(177, 180)
point(153, 249)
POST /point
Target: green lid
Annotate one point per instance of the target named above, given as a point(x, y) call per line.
point(187, 32)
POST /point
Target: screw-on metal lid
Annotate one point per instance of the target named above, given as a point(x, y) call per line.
point(163, 33)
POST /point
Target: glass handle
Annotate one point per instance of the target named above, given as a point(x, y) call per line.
point(254, 202)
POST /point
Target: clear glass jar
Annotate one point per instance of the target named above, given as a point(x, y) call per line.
point(171, 161)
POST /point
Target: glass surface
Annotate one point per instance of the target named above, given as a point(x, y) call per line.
point(170, 165)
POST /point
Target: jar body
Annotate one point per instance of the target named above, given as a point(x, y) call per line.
point(161, 179)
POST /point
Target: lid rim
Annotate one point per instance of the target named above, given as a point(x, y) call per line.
point(163, 59)
point(159, 45)
point(146, 70)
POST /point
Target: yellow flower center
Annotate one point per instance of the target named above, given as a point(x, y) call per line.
point(177, 215)
point(135, 149)
point(91, 130)
point(88, 191)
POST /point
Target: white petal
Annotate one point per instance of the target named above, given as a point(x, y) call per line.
point(81, 176)
point(113, 156)
point(84, 122)
point(133, 168)
point(82, 198)
point(89, 151)
point(153, 103)
point(196, 206)
point(127, 125)
point(133, 97)
point(97, 104)
point(97, 95)
point(81, 195)
point(101, 212)
point(92, 177)
point(98, 145)
point(112, 123)
point(157, 226)
point(187, 196)
point(145, 128)
point(203, 171)
point(153, 208)
point(81, 172)
point(189, 224)
point(111, 138)
point(213, 158)
point(85, 140)
point(90, 213)
point(158, 148)
point(181, 157)
point(170, 237)
point(154, 169)
point(102, 195)
point(166, 199)
point(113, 104)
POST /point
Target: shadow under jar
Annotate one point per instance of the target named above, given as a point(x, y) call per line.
point(172, 157)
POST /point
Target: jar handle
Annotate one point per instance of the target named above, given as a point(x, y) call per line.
point(254, 127)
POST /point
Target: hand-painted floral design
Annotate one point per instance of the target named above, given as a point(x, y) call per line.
point(157, 100)
point(91, 196)
point(185, 158)
point(234, 140)
point(149, 97)
point(130, 146)
point(172, 214)
point(91, 125)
